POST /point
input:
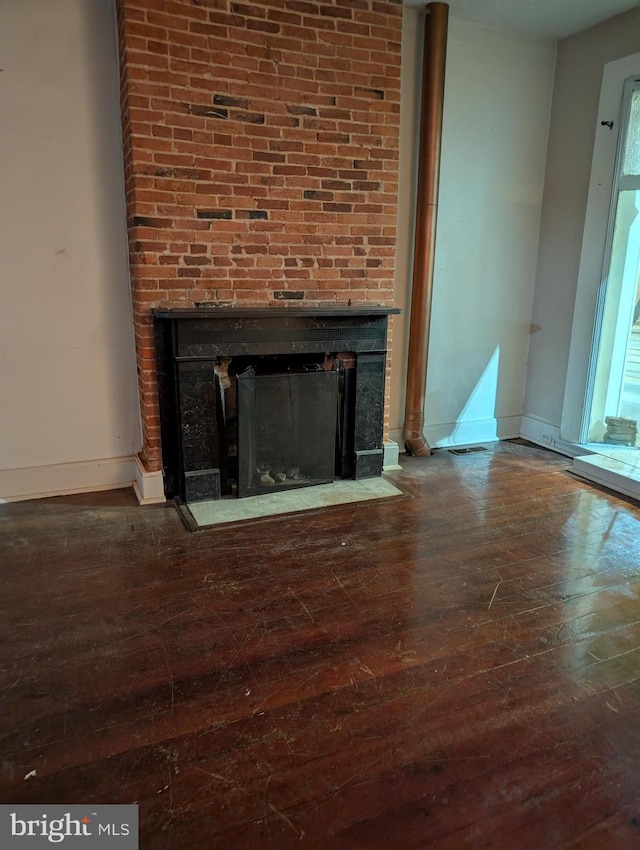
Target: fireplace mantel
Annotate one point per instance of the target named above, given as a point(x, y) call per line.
point(270, 312)
point(189, 342)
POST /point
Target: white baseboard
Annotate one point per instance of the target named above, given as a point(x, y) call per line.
point(466, 433)
point(391, 456)
point(469, 433)
point(148, 486)
point(538, 431)
point(63, 479)
point(544, 434)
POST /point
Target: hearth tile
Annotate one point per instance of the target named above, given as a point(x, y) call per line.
point(339, 493)
point(293, 501)
point(380, 487)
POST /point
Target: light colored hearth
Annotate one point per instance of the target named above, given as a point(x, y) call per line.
point(291, 501)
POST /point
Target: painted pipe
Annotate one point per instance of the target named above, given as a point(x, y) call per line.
point(433, 71)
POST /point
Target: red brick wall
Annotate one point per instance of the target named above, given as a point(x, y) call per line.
point(261, 157)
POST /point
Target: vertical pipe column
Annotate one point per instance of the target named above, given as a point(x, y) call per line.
point(433, 71)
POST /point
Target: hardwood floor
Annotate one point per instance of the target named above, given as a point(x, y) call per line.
point(458, 669)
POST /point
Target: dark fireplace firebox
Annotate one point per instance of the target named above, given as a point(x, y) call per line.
point(260, 400)
point(286, 430)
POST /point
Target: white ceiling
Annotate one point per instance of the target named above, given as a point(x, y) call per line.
point(538, 18)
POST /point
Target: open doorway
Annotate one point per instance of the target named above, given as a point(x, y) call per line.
point(612, 408)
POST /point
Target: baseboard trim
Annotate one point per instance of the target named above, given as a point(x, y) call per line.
point(539, 431)
point(542, 433)
point(468, 433)
point(391, 456)
point(148, 486)
point(64, 479)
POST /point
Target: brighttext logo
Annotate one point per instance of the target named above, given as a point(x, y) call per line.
point(55, 830)
point(35, 827)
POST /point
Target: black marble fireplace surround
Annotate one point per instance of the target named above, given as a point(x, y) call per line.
point(191, 343)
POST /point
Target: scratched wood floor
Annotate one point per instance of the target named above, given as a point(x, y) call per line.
point(456, 669)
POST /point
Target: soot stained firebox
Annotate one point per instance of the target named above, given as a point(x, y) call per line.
point(256, 400)
point(287, 427)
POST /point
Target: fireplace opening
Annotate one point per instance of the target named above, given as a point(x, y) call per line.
point(287, 425)
point(268, 423)
point(288, 421)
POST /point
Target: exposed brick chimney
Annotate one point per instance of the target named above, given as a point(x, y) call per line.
point(261, 158)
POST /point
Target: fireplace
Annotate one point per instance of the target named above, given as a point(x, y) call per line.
point(260, 400)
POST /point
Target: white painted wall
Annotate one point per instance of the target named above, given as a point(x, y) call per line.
point(564, 253)
point(496, 117)
point(67, 367)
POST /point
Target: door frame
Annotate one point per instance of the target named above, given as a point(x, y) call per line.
point(594, 245)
